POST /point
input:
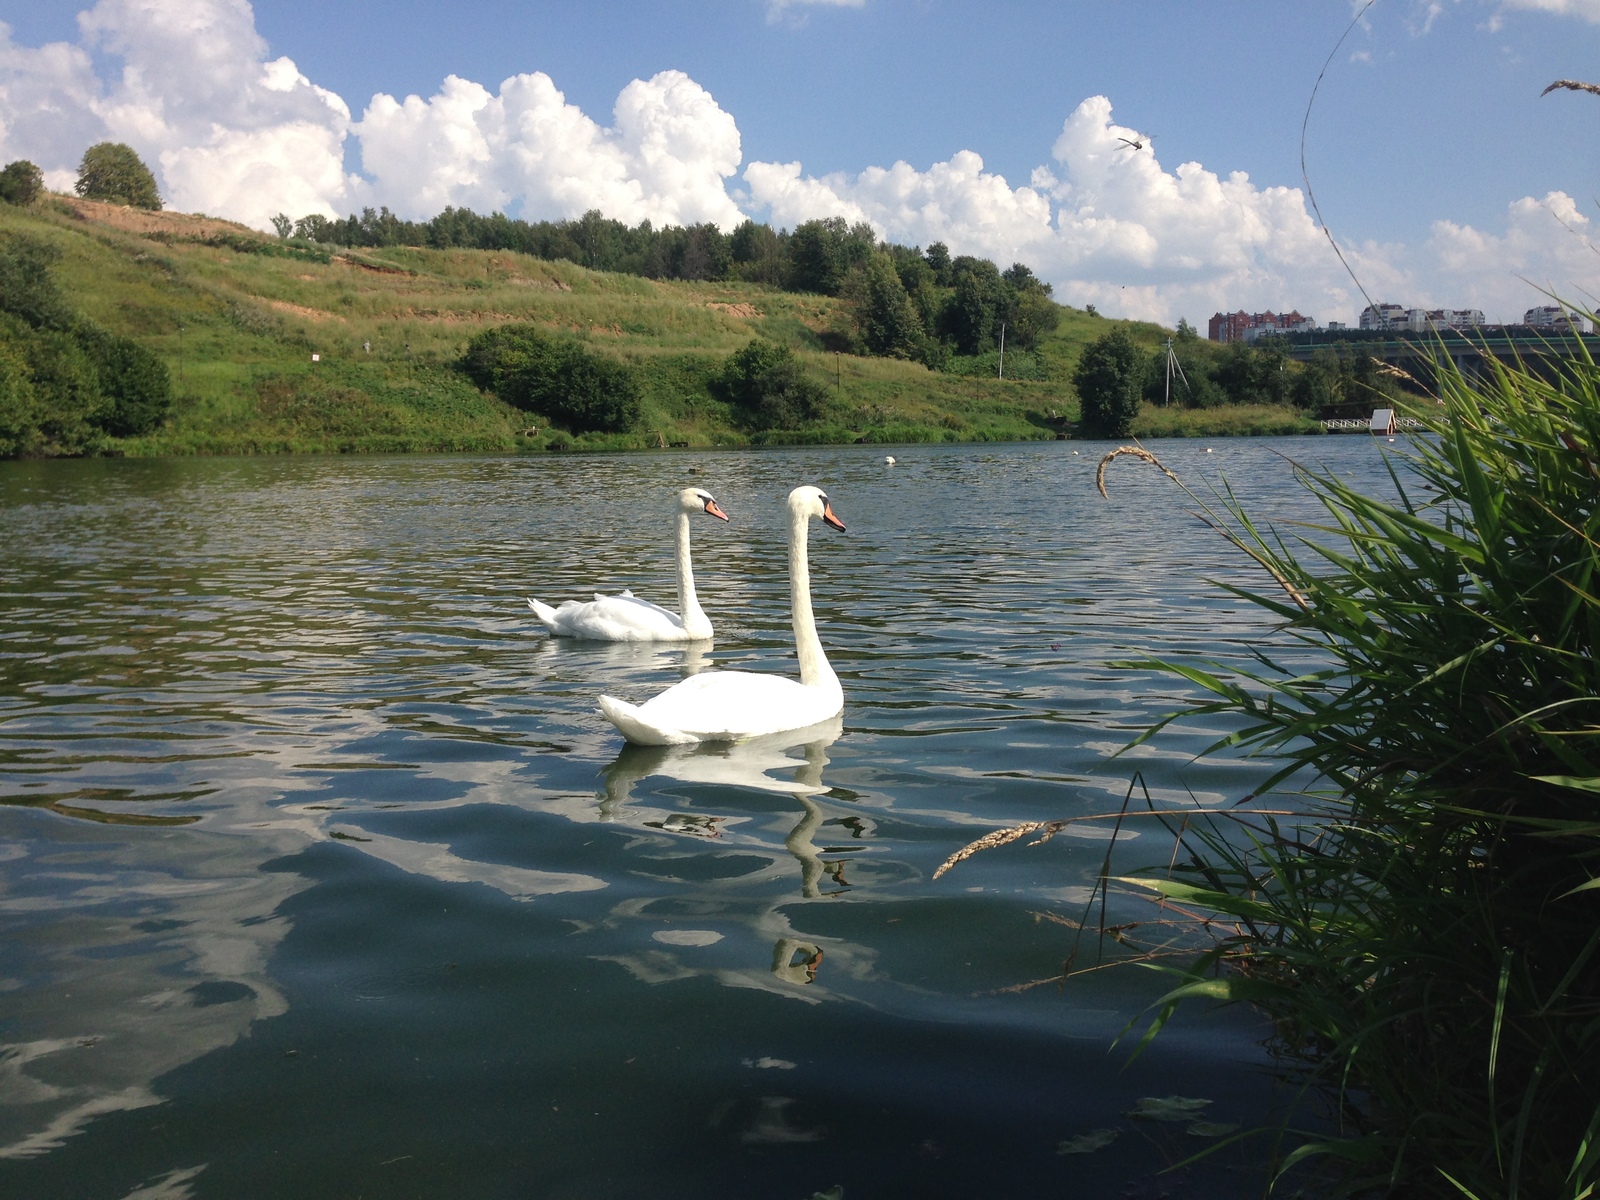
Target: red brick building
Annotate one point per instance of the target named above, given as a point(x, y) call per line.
point(1246, 327)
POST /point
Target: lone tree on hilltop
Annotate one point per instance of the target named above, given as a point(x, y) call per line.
point(1109, 378)
point(20, 182)
point(112, 172)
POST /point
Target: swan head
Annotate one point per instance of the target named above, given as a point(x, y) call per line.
point(693, 499)
point(810, 502)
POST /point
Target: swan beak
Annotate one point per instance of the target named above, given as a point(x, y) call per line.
point(829, 518)
point(711, 507)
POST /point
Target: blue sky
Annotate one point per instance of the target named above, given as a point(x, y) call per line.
point(1429, 113)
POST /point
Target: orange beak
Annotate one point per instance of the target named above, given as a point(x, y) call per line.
point(830, 519)
point(711, 507)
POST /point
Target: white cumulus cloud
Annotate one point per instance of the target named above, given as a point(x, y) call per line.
point(1107, 224)
point(235, 132)
point(665, 160)
point(230, 132)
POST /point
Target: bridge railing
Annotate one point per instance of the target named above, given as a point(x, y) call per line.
point(1364, 425)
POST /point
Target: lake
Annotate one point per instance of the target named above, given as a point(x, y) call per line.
point(323, 877)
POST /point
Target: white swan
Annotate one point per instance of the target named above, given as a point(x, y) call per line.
point(728, 706)
point(626, 618)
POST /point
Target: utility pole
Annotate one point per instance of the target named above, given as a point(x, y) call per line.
point(1172, 362)
point(180, 350)
point(1002, 349)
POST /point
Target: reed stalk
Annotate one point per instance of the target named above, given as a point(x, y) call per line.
point(1421, 921)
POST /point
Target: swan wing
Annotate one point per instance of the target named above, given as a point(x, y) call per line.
point(624, 618)
point(723, 706)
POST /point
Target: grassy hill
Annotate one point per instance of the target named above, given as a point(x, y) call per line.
point(280, 347)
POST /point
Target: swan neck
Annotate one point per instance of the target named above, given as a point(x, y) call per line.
point(814, 667)
point(695, 621)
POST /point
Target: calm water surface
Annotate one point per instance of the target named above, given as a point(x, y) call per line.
point(320, 875)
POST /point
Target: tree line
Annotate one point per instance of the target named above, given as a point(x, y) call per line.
point(1114, 377)
point(904, 302)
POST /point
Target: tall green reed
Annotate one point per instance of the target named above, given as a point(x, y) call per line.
point(1421, 921)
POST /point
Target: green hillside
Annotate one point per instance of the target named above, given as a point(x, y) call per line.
point(278, 346)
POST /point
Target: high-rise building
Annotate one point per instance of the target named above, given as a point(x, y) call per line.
point(1553, 316)
point(1394, 318)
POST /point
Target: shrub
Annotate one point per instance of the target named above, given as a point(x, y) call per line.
point(19, 420)
point(766, 386)
point(134, 382)
point(1109, 378)
point(21, 182)
point(112, 172)
point(68, 404)
point(65, 380)
point(555, 377)
point(27, 289)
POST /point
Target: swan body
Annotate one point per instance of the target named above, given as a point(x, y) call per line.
point(727, 706)
point(627, 618)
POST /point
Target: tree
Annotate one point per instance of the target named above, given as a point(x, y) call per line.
point(1186, 331)
point(314, 227)
point(1253, 375)
point(972, 315)
point(1109, 378)
point(765, 384)
point(284, 224)
point(20, 182)
point(1031, 315)
point(1317, 386)
point(821, 254)
point(1021, 277)
point(758, 253)
point(112, 172)
point(816, 257)
point(888, 322)
point(938, 259)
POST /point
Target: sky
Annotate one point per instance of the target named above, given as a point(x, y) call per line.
point(1141, 156)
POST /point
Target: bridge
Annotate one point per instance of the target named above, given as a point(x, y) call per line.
point(1416, 352)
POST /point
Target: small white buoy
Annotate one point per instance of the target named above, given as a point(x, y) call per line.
point(1391, 439)
point(1074, 453)
point(889, 458)
point(1209, 450)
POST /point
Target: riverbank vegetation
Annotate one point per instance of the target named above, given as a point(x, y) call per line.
point(288, 344)
point(1422, 922)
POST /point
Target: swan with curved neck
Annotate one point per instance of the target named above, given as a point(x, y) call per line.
point(729, 706)
point(627, 618)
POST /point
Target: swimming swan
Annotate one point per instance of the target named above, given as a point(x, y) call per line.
point(727, 706)
point(626, 618)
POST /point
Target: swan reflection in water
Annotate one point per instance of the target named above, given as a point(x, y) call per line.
point(788, 764)
point(578, 658)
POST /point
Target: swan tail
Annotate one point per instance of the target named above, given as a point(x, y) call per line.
point(637, 728)
point(545, 613)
